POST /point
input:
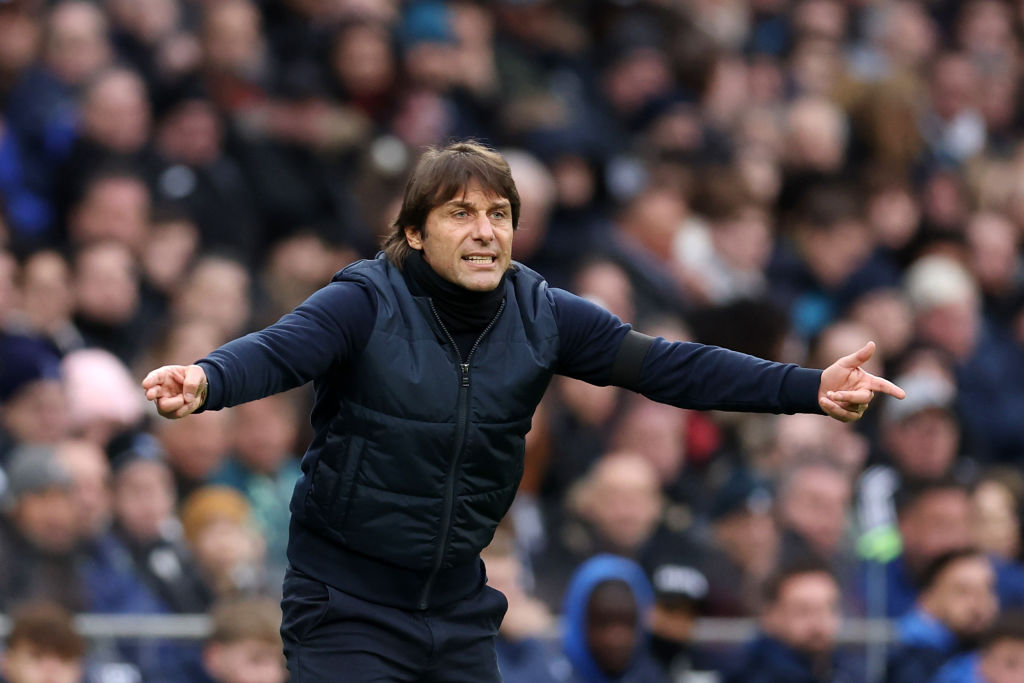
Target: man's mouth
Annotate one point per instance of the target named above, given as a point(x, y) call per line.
point(479, 259)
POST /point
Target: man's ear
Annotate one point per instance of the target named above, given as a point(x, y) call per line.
point(414, 237)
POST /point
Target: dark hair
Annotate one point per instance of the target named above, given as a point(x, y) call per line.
point(47, 627)
point(1008, 626)
point(913, 491)
point(940, 564)
point(808, 564)
point(439, 175)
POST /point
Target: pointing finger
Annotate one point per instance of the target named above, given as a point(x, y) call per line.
point(886, 387)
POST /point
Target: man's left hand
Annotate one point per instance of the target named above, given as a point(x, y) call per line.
point(846, 389)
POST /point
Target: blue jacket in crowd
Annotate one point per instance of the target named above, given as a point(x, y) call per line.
point(925, 643)
point(767, 660)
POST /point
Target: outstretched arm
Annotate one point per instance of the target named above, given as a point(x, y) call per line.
point(178, 390)
point(847, 389)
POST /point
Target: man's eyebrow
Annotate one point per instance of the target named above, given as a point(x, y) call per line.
point(463, 204)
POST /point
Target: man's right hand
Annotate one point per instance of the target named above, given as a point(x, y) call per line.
point(178, 390)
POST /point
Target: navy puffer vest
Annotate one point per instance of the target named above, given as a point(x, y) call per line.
point(425, 454)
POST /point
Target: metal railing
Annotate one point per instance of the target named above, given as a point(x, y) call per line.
point(197, 627)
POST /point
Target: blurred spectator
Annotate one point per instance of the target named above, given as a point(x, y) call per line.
point(829, 259)
point(728, 255)
point(995, 513)
point(921, 440)
point(606, 611)
point(615, 508)
point(195, 451)
point(744, 546)
point(1000, 659)
point(39, 532)
point(264, 468)
point(42, 109)
point(956, 605)
point(933, 519)
point(114, 131)
point(245, 644)
point(43, 647)
point(197, 174)
point(108, 309)
point(141, 566)
point(227, 549)
point(114, 205)
point(945, 300)
point(98, 416)
point(523, 654)
point(800, 625)
point(169, 251)
point(33, 408)
point(48, 300)
point(680, 593)
point(216, 289)
point(814, 509)
point(86, 462)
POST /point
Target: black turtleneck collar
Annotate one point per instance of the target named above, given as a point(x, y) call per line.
point(461, 310)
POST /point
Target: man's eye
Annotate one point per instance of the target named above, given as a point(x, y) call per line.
point(461, 214)
point(498, 214)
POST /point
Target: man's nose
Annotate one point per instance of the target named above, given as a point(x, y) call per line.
point(482, 228)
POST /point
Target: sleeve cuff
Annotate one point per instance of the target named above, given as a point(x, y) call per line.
point(799, 392)
point(214, 384)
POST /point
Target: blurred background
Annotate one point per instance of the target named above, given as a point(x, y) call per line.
point(789, 178)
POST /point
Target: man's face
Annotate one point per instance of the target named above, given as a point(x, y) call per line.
point(26, 663)
point(468, 239)
point(805, 615)
point(933, 525)
point(1003, 662)
point(963, 596)
point(815, 506)
point(611, 626)
point(48, 519)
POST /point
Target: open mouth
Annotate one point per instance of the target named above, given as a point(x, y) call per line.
point(479, 259)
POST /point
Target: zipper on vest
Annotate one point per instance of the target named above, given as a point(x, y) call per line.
point(460, 442)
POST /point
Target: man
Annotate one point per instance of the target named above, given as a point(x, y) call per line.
point(680, 592)
point(605, 632)
point(800, 624)
point(428, 363)
point(743, 547)
point(39, 531)
point(932, 518)
point(957, 603)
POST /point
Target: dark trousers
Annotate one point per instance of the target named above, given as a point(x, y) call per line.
point(333, 636)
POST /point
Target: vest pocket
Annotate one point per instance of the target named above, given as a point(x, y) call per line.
point(341, 497)
point(333, 479)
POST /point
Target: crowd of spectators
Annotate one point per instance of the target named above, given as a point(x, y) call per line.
point(787, 178)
